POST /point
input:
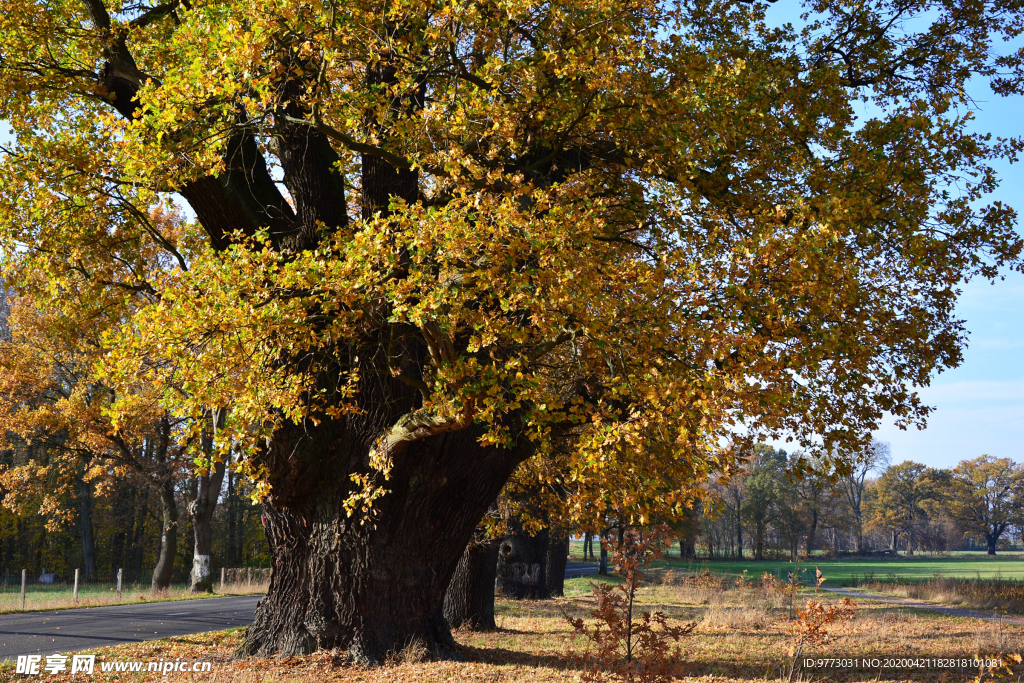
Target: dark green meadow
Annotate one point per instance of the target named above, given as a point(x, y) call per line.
point(852, 571)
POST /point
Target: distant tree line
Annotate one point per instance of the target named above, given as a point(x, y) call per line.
point(781, 505)
point(120, 526)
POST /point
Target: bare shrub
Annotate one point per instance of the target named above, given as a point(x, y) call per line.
point(813, 625)
point(629, 647)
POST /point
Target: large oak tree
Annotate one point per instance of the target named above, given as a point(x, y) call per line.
point(433, 240)
point(986, 497)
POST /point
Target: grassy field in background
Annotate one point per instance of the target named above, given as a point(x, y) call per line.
point(850, 571)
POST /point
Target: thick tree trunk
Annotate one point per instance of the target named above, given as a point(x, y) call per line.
point(201, 510)
point(558, 557)
point(231, 512)
point(522, 566)
point(812, 532)
point(687, 548)
point(739, 534)
point(374, 582)
point(138, 537)
point(469, 600)
point(202, 506)
point(992, 542)
point(85, 526)
point(168, 538)
point(602, 567)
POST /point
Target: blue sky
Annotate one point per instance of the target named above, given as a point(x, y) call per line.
point(979, 406)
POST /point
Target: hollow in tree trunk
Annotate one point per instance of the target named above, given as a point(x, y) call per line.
point(469, 600)
point(522, 561)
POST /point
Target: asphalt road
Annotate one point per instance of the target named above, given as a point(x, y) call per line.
point(70, 630)
point(574, 570)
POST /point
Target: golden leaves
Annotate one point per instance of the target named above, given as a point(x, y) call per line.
point(641, 229)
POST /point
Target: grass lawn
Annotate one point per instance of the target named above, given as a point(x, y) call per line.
point(850, 571)
point(744, 634)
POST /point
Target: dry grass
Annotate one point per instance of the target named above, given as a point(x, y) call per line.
point(744, 634)
point(996, 594)
point(92, 596)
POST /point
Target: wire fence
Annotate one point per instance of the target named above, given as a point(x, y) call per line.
point(69, 588)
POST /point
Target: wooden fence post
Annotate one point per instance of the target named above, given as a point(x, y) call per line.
point(24, 574)
point(223, 571)
point(76, 586)
point(119, 570)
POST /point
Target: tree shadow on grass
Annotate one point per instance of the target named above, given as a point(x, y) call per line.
point(502, 656)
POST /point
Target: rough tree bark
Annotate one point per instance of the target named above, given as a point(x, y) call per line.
point(522, 561)
point(812, 532)
point(558, 557)
point(469, 600)
point(992, 541)
point(688, 547)
point(201, 510)
point(168, 538)
point(86, 529)
point(370, 588)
